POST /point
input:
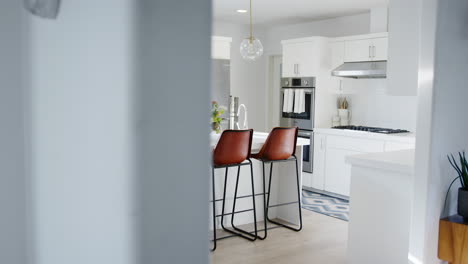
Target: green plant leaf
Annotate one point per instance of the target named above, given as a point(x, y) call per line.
point(454, 164)
point(462, 164)
point(452, 161)
point(464, 169)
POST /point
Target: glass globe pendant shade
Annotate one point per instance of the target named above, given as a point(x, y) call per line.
point(251, 49)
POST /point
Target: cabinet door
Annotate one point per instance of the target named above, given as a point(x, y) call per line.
point(289, 67)
point(393, 146)
point(337, 51)
point(338, 172)
point(307, 59)
point(318, 177)
point(380, 49)
point(357, 50)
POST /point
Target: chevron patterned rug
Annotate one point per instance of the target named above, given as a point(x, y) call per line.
point(326, 205)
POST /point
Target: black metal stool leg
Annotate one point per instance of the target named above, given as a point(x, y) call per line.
point(244, 233)
point(269, 193)
point(298, 200)
point(214, 210)
point(299, 194)
point(265, 222)
point(224, 200)
point(253, 199)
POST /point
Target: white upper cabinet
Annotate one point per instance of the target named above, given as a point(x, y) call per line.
point(379, 49)
point(358, 50)
point(372, 47)
point(290, 58)
point(337, 50)
point(221, 48)
point(304, 57)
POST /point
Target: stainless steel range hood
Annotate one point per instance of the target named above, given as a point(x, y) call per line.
point(362, 70)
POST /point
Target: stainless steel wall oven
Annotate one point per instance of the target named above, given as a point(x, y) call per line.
point(304, 120)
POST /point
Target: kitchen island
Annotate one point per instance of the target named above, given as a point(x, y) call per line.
point(380, 207)
point(283, 186)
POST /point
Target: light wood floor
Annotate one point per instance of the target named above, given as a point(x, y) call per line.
point(323, 239)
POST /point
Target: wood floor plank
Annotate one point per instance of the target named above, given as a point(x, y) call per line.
point(323, 239)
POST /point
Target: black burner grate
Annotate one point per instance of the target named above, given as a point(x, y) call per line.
point(380, 130)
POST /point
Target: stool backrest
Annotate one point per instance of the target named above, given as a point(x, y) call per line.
point(233, 147)
point(280, 144)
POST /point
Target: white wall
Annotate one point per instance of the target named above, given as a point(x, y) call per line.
point(441, 126)
point(403, 47)
point(80, 96)
point(120, 155)
point(172, 110)
point(13, 247)
point(248, 79)
point(371, 105)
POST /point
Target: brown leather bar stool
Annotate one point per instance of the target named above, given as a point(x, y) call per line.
point(233, 150)
point(280, 146)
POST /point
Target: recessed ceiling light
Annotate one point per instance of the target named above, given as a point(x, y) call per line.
point(242, 11)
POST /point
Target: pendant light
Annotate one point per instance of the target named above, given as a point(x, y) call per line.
point(251, 48)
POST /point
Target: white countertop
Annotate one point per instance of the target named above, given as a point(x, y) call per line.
point(258, 140)
point(403, 137)
point(401, 161)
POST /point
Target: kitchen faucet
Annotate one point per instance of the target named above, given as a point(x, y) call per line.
point(245, 125)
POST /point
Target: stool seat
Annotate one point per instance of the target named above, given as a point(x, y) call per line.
point(279, 145)
point(233, 147)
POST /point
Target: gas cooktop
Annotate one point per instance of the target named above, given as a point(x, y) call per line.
point(373, 129)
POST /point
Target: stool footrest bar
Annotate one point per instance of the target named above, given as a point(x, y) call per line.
point(237, 212)
point(252, 232)
point(276, 205)
point(240, 197)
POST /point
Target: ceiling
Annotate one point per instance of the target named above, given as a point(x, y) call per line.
point(284, 12)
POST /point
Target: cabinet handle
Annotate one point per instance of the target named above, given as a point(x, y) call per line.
point(321, 143)
point(298, 70)
point(370, 52)
point(373, 51)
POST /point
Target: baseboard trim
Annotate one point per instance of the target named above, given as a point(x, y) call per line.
point(325, 193)
point(413, 260)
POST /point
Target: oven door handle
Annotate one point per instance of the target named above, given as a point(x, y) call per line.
point(304, 134)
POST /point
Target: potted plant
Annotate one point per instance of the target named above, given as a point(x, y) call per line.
point(216, 119)
point(462, 171)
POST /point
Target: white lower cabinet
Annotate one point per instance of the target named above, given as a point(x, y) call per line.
point(331, 173)
point(391, 146)
point(338, 172)
point(317, 180)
